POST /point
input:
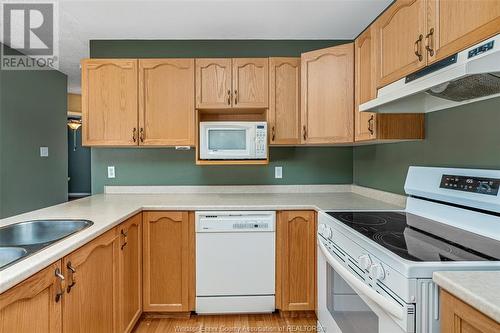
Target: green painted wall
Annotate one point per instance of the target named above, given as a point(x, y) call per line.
point(33, 114)
point(467, 136)
point(318, 165)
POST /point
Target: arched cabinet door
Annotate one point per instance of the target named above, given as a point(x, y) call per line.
point(327, 98)
point(213, 83)
point(166, 102)
point(250, 83)
point(90, 302)
point(284, 101)
point(296, 261)
point(109, 102)
point(34, 305)
point(166, 261)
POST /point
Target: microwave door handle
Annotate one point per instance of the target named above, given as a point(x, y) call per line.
point(386, 305)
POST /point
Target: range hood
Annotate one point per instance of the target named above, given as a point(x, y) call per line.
point(465, 77)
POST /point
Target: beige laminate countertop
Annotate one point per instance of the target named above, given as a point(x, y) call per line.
point(109, 210)
point(480, 290)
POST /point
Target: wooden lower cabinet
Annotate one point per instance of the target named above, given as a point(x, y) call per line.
point(167, 261)
point(459, 317)
point(130, 276)
point(31, 306)
point(90, 302)
point(296, 261)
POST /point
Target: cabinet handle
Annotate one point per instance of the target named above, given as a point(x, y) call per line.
point(273, 133)
point(370, 124)
point(229, 97)
point(134, 134)
point(71, 276)
point(304, 132)
point(124, 235)
point(418, 47)
point(60, 287)
point(235, 97)
point(430, 42)
point(141, 134)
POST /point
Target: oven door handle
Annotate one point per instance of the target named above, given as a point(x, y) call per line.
point(386, 305)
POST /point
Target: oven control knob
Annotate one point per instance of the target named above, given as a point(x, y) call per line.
point(327, 232)
point(364, 261)
point(377, 272)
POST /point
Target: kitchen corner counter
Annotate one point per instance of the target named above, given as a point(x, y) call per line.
point(481, 290)
point(109, 210)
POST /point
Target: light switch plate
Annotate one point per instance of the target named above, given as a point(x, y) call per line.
point(278, 172)
point(111, 172)
point(44, 151)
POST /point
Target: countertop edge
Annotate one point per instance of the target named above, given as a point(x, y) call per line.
point(457, 289)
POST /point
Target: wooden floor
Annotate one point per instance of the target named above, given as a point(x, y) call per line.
point(266, 323)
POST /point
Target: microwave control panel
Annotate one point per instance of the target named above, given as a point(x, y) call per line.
point(261, 141)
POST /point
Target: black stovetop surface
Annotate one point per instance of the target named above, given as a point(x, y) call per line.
point(416, 238)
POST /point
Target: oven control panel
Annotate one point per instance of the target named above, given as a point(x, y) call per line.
point(488, 186)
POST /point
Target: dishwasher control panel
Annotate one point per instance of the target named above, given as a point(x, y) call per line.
point(235, 221)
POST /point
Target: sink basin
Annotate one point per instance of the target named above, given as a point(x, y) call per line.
point(10, 254)
point(39, 231)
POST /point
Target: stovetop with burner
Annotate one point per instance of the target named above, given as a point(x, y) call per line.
point(419, 239)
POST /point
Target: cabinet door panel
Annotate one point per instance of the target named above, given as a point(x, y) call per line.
point(398, 30)
point(250, 82)
point(213, 83)
point(328, 95)
point(166, 261)
point(284, 101)
point(31, 305)
point(459, 24)
point(109, 102)
point(166, 108)
point(130, 272)
point(365, 85)
point(296, 236)
point(90, 305)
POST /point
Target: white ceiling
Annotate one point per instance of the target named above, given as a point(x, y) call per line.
point(81, 21)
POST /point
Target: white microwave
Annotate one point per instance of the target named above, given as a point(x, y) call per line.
point(227, 140)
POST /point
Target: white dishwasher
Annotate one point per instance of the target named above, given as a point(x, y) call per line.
point(235, 262)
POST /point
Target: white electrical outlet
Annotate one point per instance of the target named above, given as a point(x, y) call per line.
point(111, 172)
point(278, 172)
point(44, 151)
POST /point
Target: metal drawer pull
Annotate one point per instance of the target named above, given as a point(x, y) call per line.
point(304, 131)
point(370, 124)
point(60, 286)
point(71, 276)
point(134, 134)
point(430, 42)
point(229, 97)
point(418, 47)
point(273, 133)
point(141, 134)
point(235, 97)
point(124, 234)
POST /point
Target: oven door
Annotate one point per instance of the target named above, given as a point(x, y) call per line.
point(227, 141)
point(347, 305)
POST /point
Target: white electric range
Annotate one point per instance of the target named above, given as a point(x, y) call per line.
point(375, 267)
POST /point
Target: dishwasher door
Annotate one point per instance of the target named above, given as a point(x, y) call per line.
point(235, 262)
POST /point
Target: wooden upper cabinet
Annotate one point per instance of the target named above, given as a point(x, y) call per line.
point(328, 95)
point(400, 33)
point(31, 306)
point(296, 260)
point(365, 85)
point(130, 266)
point(250, 82)
point(284, 101)
point(455, 25)
point(109, 102)
point(213, 83)
point(90, 303)
point(166, 261)
point(166, 102)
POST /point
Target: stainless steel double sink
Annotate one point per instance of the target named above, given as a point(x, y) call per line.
point(20, 240)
